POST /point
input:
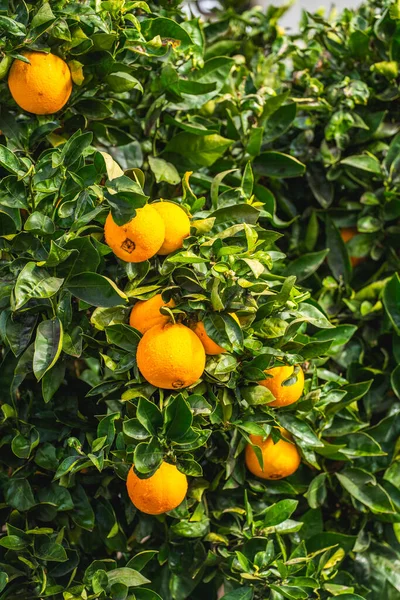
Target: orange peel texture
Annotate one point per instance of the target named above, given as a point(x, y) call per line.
point(177, 226)
point(42, 87)
point(146, 313)
point(139, 239)
point(170, 356)
point(285, 391)
point(280, 460)
point(160, 493)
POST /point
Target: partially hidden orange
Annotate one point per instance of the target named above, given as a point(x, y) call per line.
point(280, 460)
point(160, 493)
point(211, 348)
point(42, 86)
point(177, 225)
point(347, 234)
point(286, 384)
point(170, 356)
point(139, 239)
point(146, 313)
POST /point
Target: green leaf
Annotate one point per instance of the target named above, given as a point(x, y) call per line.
point(149, 416)
point(242, 593)
point(126, 576)
point(255, 140)
point(4, 579)
point(48, 344)
point(52, 380)
point(279, 512)
point(123, 336)
point(363, 162)
point(124, 196)
point(140, 560)
point(132, 428)
point(279, 122)
point(168, 30)
point(316, 349)
point(316, 493)
point(393, 152)
point(178, 419)
point(82, 514)
point(23, 446)
point(8, 160)
point(85, 259)
point(223, 330)
point(278, 164)
point(43, 15)
point(190, 529)
point(96, 290)
point(148, 456)
point(164, 171)
point(34, 282)
point(202, 150)
point(39, 223)
point(395, 380)
point(104, 317)
point(313, 315)
point(56, 255)
point(322, 189)
point(146, 594)
point(51, 551)
point(300, 429)
point(57, 495)
point(306, 265)
point(121, 81)
point(18, 494)
point(215, 71)
point(13, 542)
point(363, 486)
point(391, 301)
point(74, 148)
point(387, 566)
point(338, 257)
point(257, 394)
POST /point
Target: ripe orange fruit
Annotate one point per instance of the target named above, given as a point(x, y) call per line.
point(41, 87)
point(280, 460)
point(160, 493)
point(211, 347)
point(137, 240)
point(177, 226)
point(170, 356)
point(146, 313)
point(285, 394)
point(347, 234)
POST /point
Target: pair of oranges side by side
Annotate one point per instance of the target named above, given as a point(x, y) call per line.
point(157, 228)
point(167, 487)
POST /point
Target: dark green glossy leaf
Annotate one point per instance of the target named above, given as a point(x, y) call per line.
point(278, 164)
point(48, 344)
point(391, 301)
point(96, 290)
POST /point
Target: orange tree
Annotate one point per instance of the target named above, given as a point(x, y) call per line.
point(124, 447)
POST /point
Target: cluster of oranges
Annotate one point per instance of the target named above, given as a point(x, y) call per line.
point(170, 355)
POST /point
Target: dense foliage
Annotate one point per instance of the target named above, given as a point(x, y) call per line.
point(272, 143)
